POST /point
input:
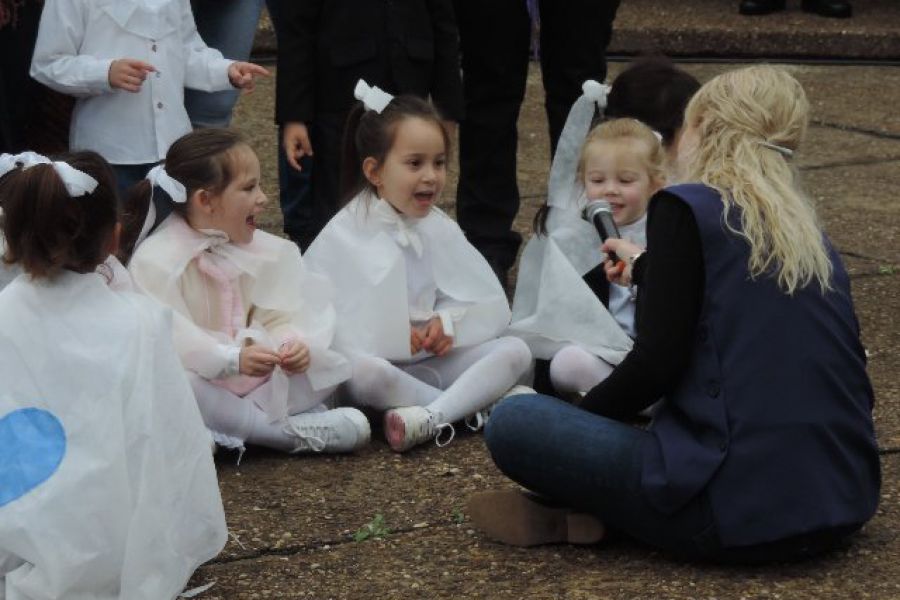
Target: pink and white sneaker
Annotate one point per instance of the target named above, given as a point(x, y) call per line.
point(409, 426)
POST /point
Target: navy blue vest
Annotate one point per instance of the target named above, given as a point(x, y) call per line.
point(773, 418)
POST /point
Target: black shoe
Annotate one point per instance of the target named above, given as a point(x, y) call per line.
point(838, 9)
point(760, 7)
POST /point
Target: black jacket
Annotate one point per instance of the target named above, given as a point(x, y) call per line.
point(402, 46)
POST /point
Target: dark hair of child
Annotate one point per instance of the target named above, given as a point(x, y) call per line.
point(655, 92)
point(368, 133)
point(200, 160)
point(46, 229)
point(652, 90)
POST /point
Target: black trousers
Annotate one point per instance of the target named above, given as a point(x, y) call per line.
point(495, 38)
point(18, 109)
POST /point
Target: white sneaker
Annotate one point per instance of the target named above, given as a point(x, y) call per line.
point(338, 430)
point(408, 426)
point(477, 421)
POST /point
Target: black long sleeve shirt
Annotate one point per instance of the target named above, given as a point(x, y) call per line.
point(670, 279)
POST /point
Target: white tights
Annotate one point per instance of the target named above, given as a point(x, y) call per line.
point(574, 369)
point(240, 417)
point(456, 385)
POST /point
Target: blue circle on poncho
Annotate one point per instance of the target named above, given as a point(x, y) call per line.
point(32, 444)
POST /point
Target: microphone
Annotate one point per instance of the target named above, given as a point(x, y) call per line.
point(599, 213)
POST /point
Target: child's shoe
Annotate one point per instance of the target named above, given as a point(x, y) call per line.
point(408, 426)
point(338, 430)
point(477, 421)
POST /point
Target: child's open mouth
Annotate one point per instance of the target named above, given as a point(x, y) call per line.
point(251, 221)
point(424, 197)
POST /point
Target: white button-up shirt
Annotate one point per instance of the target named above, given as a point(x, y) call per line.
point(78, 40)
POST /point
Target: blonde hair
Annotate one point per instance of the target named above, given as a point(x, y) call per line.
point(734, 115)
point(624, 130)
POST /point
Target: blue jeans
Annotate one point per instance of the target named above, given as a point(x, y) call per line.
point(228, 26)
point(594, 464)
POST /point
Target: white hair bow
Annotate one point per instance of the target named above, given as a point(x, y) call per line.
point(159, 177)
point(372, 97)
point(78, 183)
point(598, 92)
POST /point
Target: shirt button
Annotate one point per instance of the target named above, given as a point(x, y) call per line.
point(159, 105)
point(158, 74)
point(153, 47)
point(713, 388)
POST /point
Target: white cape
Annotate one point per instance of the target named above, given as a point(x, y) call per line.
point(552, 305)
point(280, 283)
point(107, 486)
point(358, 250)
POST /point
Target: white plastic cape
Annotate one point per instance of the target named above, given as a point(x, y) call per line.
point(359, 251)
point(553, 306)
point(107, 486)
point(280, 282)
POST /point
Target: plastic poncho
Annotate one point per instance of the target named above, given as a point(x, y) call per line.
point(360, 251)
point(279, 290)
point(107, 485)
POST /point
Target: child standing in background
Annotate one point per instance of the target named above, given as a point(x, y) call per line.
point(419, 309)
point(128, 62)
point(252, 326)
point(107, 486)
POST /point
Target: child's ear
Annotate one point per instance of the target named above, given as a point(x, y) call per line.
point(203, 200)
point(372, 171)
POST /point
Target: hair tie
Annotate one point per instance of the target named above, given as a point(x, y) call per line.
point(598, 92)
point(785, 152)
point(159, 177)
point(78, 183)
point(372, 97)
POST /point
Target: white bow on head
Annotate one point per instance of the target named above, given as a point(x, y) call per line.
point(159, 177)
point(372, 97)
point(78, 183)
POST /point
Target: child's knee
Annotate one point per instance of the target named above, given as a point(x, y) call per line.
point(567, 364)
point(518, 353)
point(371, 373)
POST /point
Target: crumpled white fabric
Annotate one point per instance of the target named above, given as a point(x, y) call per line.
point(552, 305)
point(133, 506)
point(280, 282)
point(360, 251)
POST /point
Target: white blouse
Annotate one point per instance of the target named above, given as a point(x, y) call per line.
point(79, 39)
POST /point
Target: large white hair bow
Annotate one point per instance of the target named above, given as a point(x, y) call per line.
point(372, 97)
point(78, 183)
point(159, 177)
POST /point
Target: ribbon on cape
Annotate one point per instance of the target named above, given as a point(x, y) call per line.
point(406, 235)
